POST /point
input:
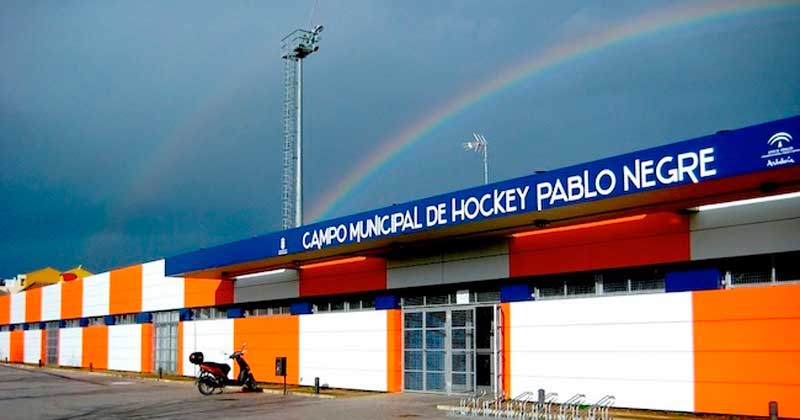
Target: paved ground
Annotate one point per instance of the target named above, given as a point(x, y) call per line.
point(30, 393)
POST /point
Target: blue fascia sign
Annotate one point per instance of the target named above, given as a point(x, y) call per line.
point(738, 152)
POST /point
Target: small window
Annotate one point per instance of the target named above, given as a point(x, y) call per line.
point(580, 287)
point(209, 313)
point(368, 303)
point(787, 267)
point(750, 270)
point(551, 289)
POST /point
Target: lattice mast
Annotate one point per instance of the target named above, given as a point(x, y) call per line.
point(296, 46)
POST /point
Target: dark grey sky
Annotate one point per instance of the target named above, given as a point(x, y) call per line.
point(132, 130)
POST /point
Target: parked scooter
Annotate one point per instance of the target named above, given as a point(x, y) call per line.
point(214, 376)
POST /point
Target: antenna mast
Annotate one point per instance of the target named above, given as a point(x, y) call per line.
point(296, 46)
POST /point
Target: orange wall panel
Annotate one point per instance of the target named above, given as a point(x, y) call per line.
point(361, 276)
point(394, 350)
point(207, 292)
point(16, 353)
point(72, 299)
point(43, 348)
point(95, 347)
point(5, 309)
point(33, 305)
point(180, 349)
point(654, 239)
point(268, 338)
point(125, 290)
point(747, 350)
point(147, 348)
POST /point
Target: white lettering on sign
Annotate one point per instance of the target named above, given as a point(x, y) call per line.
point(585, 184)
point(495, 203)
point(641, 174)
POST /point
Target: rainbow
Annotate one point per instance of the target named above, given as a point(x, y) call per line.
point(558, 54)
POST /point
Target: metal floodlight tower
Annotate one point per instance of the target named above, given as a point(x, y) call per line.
point(479, 144)
point(296, 46)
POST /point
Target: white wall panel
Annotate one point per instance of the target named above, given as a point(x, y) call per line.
point(51, 302)
point(96, 294)
point(213, 337)
point(18, 308)
point(125, 347)
point(5, 345)
point(269, 286)
point(70, 346)
point(637, 348)
point(33, 346)
point(770, 227)
point(345, 350)
point(158, 291)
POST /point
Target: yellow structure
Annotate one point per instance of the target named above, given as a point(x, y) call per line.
point(43, 276)
point(78, 271)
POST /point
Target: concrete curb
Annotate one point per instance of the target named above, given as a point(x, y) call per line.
point(453, 410)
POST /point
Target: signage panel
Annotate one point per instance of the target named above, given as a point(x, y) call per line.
point(738, 152)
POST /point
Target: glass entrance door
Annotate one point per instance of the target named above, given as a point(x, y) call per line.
point(51, 349)
point(440, 350)
point(462, 350)
point(165, 349)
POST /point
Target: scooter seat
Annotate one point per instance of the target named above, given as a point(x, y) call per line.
point(221, 366)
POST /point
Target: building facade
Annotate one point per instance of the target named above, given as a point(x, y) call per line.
point(668, 278)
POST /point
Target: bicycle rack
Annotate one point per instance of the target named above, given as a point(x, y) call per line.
point(526, 406)
point(544, 410)
point(600, 409)
point(515, 407)
point(570, 409)
point(471, 405)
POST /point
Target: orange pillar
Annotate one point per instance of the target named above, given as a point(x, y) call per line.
point(268, 338)
point(95, 347)
point(394, 350)
point(147, 348)
point(505, 311)
point(17, 346)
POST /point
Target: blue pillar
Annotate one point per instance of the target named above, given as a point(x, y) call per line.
point(684, 281)
point(301, 308)
point(515, 293)
point(387, 302)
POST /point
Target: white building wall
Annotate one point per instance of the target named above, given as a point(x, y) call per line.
point(96, 294)
point(345, 349)
point(125, 347)
point(158, 291)
point(18, 308)
point(51, 302)
point(636, 348)
point(5, 345)
point(70, 346)
point(212, 337)
point(33, 346)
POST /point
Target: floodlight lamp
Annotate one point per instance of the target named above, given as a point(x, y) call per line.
point(318, 29)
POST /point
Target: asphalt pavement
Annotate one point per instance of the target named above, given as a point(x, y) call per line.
point(33, 393)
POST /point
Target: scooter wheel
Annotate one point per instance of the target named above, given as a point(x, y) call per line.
point(206, 385)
